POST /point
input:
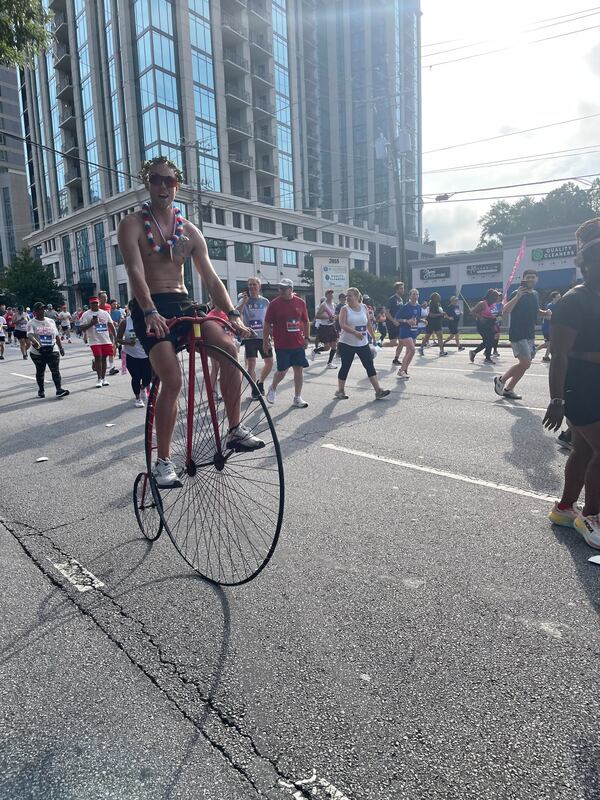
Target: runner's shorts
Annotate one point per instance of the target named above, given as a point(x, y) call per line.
point(524, 349)
point(102, 350)
point(327, 334)
point(173, 304)
point(20, 334)
point(392, 329)
point(255, 346)
point(582, 390)
point(295, 357)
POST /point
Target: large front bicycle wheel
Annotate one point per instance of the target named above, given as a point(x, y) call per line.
point(226, 518)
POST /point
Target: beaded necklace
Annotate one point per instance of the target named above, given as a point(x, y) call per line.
point(175, 235)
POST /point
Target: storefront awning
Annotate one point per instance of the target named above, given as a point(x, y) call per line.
point(557, 278)
point(445, 292)
point(477, 291)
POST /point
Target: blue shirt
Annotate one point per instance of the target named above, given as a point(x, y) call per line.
point(406, 312)
point(546, 322)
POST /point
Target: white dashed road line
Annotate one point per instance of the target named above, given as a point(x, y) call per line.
point(81, 578)
point(440, 473)
point(19, 375)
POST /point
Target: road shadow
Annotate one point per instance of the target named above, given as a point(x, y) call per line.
point(528, 438)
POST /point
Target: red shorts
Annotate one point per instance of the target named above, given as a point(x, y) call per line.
point(102, 349)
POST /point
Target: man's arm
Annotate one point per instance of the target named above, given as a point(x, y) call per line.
point(389, 316)
point(111, 331)
point(121, 331)
point(32, 337)
point(508, 307)
point(267, 331)
point(207, 272)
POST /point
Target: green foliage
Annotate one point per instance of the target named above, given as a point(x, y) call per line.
point(378, 289)
point(308, 274)
point(569, 204)
point(23, 31)
point(26, 281)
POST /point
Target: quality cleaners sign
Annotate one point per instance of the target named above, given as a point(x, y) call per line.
point(554, 253)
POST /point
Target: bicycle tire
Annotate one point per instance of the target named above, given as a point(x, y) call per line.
point(238, 547)
point(150, 525)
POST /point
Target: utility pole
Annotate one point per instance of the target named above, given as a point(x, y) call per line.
point(395, 159)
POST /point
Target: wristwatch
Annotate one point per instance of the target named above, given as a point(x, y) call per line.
point(233, 313)
point(557, 401)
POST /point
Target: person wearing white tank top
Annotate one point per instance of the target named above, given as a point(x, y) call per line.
point(354, 324)
point(136, 360)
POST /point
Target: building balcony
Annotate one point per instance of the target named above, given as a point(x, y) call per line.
point(232, 58)
point(61, 55)
point(261, 73)
point(233, 26)
point(240, 192)
point(72, 177)
point(266, 198)
point(57, 5)
point(237, 95)
point(69, 144)
point(263, 137)
point(259, 9)
point(64, 88)
point(264, 107)
point(239, 127)
point(60, 27)
point(267, 167)
point(262, 42)
point(240, 160)
point(66, 115)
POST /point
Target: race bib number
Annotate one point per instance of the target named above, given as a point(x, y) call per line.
point(293, 326)
point(46, 339)
point(256, 324)
point(361, 328)
point(102, 327)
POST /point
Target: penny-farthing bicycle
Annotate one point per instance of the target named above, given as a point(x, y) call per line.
point(226, 517)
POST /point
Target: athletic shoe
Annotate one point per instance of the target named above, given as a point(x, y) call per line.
point(488, 361)
point(396, 362)
point(164, 474)
point(421, 350)
point(340, 395)
point(402, 374)
point(462, 347)
point(589, 528)
point(41, 393)
point(241, 439)
point(24, 356)
point(313, 355)
point(564, 439)
point(444, 353)
point(382, 394)
point(1, 358)
point(298, 402)
point(471, 356)
point(113, 371)
point(99, 385)
point(261, 387)
point(62, 392)
point(271, 396)
point(255, 394)
point(105, 383)
point(512, 395)
point(496, 354)
point(499, 385)
point(563, 516)
point(331, 365)
point(139, 403)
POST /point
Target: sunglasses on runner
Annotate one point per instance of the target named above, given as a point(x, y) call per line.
point(169, 181)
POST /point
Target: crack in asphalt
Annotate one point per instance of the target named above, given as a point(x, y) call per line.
point(176, 670)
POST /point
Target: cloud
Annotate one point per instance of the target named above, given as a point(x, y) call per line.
point(453, 226)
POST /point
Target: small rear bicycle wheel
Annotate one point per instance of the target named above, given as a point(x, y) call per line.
point(226, 517)
point(145, 507)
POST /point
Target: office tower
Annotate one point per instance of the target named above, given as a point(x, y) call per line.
point(230, 89)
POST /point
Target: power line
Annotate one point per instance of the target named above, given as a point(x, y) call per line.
point(571, 152)
point(516, 185)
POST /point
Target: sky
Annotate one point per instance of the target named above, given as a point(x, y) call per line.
point(528, 85)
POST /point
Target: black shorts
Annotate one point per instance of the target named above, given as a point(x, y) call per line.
point(255, 346)
point(20, 334)
point(452, 328)
point(174, 304)
point(326, 334)
point(434, 325)
point(392, 330)
point(582, 390)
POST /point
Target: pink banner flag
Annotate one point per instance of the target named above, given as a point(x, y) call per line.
point(518, 260)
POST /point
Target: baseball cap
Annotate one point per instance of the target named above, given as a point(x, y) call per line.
point(37, 306)
point(287, 282)
point(94, 300)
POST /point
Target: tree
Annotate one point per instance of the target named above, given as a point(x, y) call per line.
point(569, 204)
point(27, 281)
point(307, 275)
point(24, 31)
point(378, 289)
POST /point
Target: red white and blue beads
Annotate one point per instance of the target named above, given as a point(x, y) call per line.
point(169, 243)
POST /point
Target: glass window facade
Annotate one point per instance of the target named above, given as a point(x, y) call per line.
point(217, 249)
point(243, 252)
point(101, 257)
point(90, 127)
point(84, 262)
point(59, 162)
point(290, 258)
point(204, 96)
point(282, 104)
point(268, 255)
point(8, 221)
point(118, 180)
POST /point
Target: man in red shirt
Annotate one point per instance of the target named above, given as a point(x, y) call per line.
point(106, 306)
point(287, 320)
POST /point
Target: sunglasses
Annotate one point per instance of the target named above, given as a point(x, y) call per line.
point(169, 181)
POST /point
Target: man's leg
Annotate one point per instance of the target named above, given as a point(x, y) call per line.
point(102, 367)
point(53, 362)
point(231, 378)
point(251, 367)
point(278, 377)
point(165, 365)
point(266, 370)
point(298, 380)
point(512, 376)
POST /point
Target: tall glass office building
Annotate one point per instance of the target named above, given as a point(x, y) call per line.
point(272, 107)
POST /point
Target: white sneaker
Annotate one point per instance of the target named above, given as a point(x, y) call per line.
point(499, 385)
point(139, 403)
point(164, 474)
point(313, 355)
point(105, 383)
point(402, 374)
point(589, 528)
point(241, 439)
point(99, 385)
point(298, 402)
point(331, 365)
point(271, 396)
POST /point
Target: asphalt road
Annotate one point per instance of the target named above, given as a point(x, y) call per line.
point(422, 631)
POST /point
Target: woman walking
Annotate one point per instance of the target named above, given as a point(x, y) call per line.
point(355, 324)
point(486, 312)
point(136, 360)
point(435, 319)
point(453, 314)
point(575, 388)
point(408, 317)
point(21, 321)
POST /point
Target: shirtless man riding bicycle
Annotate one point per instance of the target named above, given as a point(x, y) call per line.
point(154, 243)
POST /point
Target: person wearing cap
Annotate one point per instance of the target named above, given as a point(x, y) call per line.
point(327, 335)
point(98, 327)
point(253, 307)
point(51, 313)
point(287, 321)
point(20, 321)
point(46, 346)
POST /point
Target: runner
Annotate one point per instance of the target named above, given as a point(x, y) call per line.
point(435, 319)
point(575, 388)
point(524, 309)
point(100, 331)
point(453, 314)
point(408, 317)
point(253, 308)
point(327, 334)
point(393, 304)
point(10, 326)
point(155, 243)
point(486, 313)
point(51, 313)
point(65, 324)
point(355, 324)
point(45, 348)
point(2, 335)
point(136, 360)
point(287, 320)
point(554, 298)
point(20, 322)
